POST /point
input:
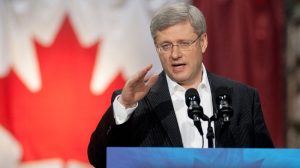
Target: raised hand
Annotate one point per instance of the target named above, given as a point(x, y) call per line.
point(137, 87)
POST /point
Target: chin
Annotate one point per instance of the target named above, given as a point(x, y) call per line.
point(178, 77)
point(179, 80)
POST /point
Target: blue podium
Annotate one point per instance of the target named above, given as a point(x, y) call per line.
point(204, 158)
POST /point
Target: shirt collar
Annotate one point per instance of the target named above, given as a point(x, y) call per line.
point(204, 83)
point(173, 86)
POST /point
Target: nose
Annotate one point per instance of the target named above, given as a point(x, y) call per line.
point(175, 52)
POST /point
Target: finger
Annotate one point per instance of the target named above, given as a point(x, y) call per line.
point(151, 81)
point(138, 77)
point(141, 75)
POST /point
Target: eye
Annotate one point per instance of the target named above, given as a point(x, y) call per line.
point(184, 43)
point(166, 46)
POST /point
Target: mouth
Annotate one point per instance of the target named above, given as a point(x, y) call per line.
point(178, 67)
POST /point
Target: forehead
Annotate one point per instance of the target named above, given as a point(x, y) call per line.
point(179, 31)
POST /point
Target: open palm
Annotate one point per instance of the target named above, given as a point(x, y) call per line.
point(137, 87)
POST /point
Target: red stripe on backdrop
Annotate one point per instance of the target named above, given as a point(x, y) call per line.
point(4, 115)
point(244, 43)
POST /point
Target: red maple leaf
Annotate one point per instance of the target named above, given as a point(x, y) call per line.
point(57, 121)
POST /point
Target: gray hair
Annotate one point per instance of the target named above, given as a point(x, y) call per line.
point(176, 13)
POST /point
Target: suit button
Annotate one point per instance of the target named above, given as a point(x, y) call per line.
point(108, 130)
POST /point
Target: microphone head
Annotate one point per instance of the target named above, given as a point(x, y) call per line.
point(224, 107)
point(191, 95)
point(224, 93)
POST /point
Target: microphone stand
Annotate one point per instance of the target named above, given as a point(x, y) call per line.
point(210, 134)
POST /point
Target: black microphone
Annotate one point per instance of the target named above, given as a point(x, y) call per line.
point(224, 104)
point(195, 111)
point(192, 100)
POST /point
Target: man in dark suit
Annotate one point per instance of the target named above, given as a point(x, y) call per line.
point(152, 112)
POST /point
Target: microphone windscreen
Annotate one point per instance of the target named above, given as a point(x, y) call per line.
point(191, 95)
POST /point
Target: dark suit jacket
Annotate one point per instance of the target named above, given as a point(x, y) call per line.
point(154, 123)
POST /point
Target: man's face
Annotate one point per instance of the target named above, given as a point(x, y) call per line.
point(182, 65)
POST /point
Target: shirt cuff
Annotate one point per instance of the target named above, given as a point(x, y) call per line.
point(122, 114)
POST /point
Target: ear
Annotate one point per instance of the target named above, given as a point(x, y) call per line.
point(203, 42)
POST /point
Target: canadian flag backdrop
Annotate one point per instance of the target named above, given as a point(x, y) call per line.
point(61, 60)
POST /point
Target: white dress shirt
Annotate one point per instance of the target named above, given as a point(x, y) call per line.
point(190, 136)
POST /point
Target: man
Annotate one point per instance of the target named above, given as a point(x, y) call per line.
point(152, 112)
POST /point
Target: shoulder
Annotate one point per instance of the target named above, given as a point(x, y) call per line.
point(217, 81)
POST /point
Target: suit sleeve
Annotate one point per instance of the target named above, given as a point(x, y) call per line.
point(107, 133)
point(261, 134)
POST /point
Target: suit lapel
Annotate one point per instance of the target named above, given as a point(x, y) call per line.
point(214, 84)
point(222, 134)
point(161, 103)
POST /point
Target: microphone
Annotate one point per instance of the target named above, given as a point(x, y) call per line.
point(195, 111)
point(224, 104)
point(192, 100)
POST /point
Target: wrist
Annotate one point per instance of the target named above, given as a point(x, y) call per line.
point(124, 103)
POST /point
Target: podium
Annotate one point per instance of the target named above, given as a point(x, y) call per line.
point(151, 157)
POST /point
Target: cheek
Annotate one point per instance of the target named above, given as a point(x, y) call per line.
point(163, 60)
point(195, 61)
point(197, 57)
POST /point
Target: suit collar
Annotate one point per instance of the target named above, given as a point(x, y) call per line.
point(162, 105)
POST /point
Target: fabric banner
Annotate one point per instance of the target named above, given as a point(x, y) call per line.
point(59, 63)
point(61, 60)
